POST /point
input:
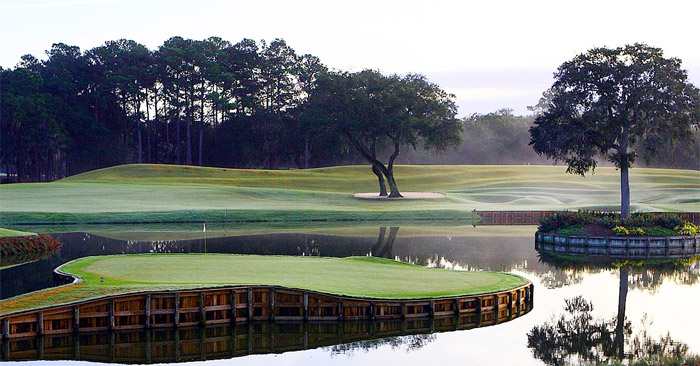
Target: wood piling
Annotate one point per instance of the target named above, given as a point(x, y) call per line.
point(241, 304)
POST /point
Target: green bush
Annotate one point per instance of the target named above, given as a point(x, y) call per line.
point(610, 220)
point(621, 230)
point(688, 228)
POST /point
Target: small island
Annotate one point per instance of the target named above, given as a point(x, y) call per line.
point(641, 235)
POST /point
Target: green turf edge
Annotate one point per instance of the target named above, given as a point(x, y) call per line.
point(136, 289)
point(8, 233)
point(195, 216)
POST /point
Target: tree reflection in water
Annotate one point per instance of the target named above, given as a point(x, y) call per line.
point(411, 343)
point(576, 338)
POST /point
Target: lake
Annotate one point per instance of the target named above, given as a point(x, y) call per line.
point(658, 300)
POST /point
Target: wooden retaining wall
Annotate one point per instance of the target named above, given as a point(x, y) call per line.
point(227, 341)
point(240, 304)
point(627, 247)
point(534, 217)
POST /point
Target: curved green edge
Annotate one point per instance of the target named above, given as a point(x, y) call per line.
point(353, 276)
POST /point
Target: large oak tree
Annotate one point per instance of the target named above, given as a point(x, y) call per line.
point(614, 103)
point(373, 111)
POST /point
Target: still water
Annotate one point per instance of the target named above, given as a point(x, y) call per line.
point(658, 302)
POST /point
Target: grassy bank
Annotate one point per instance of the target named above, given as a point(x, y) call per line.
point(353, 276)
point(7, 233)
point(166, 193)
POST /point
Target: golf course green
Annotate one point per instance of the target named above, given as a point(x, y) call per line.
point(166, 193)
point(351, 276)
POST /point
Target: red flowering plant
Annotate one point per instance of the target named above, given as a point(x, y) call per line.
point(608, 219)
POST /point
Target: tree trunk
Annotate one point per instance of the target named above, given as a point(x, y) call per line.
point(201, 141)
point(189, 138)
point(621, 305)
point(380, 177)
point(392, 184)
point(625, 191)
point(178, 144)
point(389, 172)
point(138, 135)
point(306, 153)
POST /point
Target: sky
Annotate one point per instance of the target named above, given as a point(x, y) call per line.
point(491, 54)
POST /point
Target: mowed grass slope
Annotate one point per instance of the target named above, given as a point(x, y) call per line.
point(163, 193)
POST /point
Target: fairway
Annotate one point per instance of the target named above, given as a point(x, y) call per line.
point(167, 193)
point(353, 276)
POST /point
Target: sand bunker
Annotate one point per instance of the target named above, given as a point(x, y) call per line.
point(406, 196)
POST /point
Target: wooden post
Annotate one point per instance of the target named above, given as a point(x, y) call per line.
point(112, 342)
point(76, 319)
point(510, 305)
point(148, 347)
point(6, 329)
point(517, 302)
point(40, 323)
point(6, 349)
point(432, 308)
point(403, 310)
point(76, 349)
point(250, 304)
point(202, 310)
point(306, 335)
point(40, 346)
point(495, 307)
point(272, 304)
point(111, 314)
point(371, 311)
point(148, 311)
point(532, 293)
point(340, 309)
point(306, 306)
point(177, 343)
point(177, 310)
point(478, 311)
point(233, 309)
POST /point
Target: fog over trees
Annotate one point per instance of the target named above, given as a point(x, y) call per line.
point(213, 103)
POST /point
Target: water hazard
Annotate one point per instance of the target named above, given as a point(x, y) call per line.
point(621, 310)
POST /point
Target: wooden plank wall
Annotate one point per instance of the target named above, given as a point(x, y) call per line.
point(240, 304)
point(223, 341)
point(534, 217)
point(627, 247)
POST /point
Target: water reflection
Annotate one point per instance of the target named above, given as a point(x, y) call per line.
point(457, 252)
point(225, 341)
point(576, 337)
point(660, 298)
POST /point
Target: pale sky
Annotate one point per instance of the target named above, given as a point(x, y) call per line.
point(491, 53)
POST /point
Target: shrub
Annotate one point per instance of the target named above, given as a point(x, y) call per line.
point(610, 220)
point(20, 249)
point(621, 230)
point(637, 231)
point(688, 228)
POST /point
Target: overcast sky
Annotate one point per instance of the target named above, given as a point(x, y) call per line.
point(491, 54)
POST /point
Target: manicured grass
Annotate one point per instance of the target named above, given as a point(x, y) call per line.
point(6, 233)
point(353, 276)
point(166, 193)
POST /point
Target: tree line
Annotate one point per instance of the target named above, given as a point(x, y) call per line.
point(203, 102)
point(244, 105)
